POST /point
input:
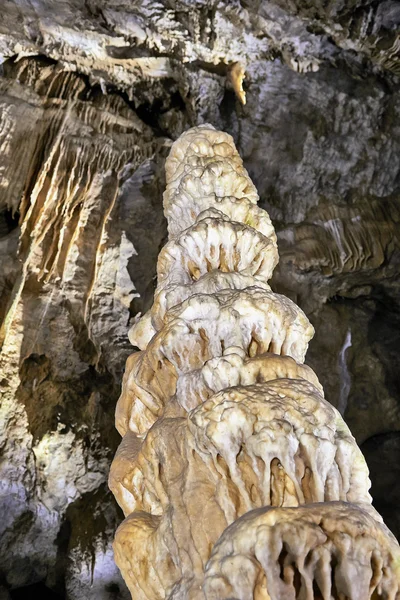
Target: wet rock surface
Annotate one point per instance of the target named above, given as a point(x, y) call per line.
point(92, 97)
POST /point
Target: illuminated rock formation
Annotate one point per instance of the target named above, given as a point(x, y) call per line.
point(65, 289)
point(220, 417)
point(92, 96)
point(331, 550)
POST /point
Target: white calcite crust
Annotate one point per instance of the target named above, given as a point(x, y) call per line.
point(216, 244)
point(326, 550)
point(285, 430)
point(219, 416)
point(253, 319)
point(277, 443)
point(136, 405)
point(211, 282)
point(234, 368)
point(202, 169)
point(203, 327)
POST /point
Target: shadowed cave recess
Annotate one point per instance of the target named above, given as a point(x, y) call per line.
point(92, 96)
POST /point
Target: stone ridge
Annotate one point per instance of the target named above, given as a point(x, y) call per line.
point(237, 478)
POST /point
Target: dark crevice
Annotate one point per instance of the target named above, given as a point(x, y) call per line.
point(62, 542)
point(282, 562)
point(9, 220)
point(36, 590)
point(227, 107)
point(136, 51)
point(382, 453)
point(150, 112)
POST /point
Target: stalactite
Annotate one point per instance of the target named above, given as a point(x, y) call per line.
point(237, 478)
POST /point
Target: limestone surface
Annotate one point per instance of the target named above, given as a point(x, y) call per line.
point(220, 417)
point(92, 95)
point(332, 550)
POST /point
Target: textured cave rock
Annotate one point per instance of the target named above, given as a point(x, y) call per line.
point(208, 437)
point(92, 95)
point(320, 550)
point(86, 183)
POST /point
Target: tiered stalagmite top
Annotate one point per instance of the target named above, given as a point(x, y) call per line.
point(237, 478)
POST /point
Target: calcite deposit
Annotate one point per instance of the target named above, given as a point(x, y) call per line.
point(331, 550)
point(92, 96)
point(238, 480)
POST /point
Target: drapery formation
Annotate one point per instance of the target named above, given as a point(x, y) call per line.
point(237, 478)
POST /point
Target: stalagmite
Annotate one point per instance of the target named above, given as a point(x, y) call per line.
point(237, 478)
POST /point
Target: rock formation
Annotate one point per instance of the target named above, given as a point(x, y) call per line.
point(237, 478)
point(92, 95)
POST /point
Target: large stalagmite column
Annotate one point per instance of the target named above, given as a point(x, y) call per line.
point(237, 479)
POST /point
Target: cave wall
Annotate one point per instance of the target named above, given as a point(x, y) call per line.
point(92, 95)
